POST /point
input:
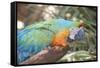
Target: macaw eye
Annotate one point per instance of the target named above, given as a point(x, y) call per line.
point(71, 29)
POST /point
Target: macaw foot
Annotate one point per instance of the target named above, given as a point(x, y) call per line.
point(57, 48)
point(47, 48)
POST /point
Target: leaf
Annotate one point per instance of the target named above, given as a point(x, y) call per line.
point(77, 56)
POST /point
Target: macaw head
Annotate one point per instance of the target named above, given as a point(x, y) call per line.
point(64, 36)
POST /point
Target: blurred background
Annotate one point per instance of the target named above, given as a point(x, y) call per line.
point(28, 14)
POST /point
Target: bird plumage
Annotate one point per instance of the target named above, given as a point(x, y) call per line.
point(36, 37)
point(60, 38)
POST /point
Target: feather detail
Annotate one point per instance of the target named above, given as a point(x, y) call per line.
point(60, 38)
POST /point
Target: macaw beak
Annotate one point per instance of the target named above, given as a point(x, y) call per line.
point(77, 34)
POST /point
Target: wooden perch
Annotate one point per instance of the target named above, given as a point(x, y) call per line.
point(50, 55)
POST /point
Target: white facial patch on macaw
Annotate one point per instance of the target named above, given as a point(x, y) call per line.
point(81, 34)
point(73, 32)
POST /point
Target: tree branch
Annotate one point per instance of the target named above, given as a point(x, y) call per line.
point(50, 55)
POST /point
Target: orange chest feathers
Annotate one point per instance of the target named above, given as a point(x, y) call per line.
point(60, 38)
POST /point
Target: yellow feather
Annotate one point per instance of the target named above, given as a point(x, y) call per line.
point(60, 38)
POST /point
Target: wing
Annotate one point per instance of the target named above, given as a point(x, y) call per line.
point(32, 41)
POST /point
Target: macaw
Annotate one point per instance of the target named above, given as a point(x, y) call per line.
point(55, 32)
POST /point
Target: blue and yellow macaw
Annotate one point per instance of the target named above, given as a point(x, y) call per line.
point(55, 32)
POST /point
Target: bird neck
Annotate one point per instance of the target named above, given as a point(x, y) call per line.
point(60, 38)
